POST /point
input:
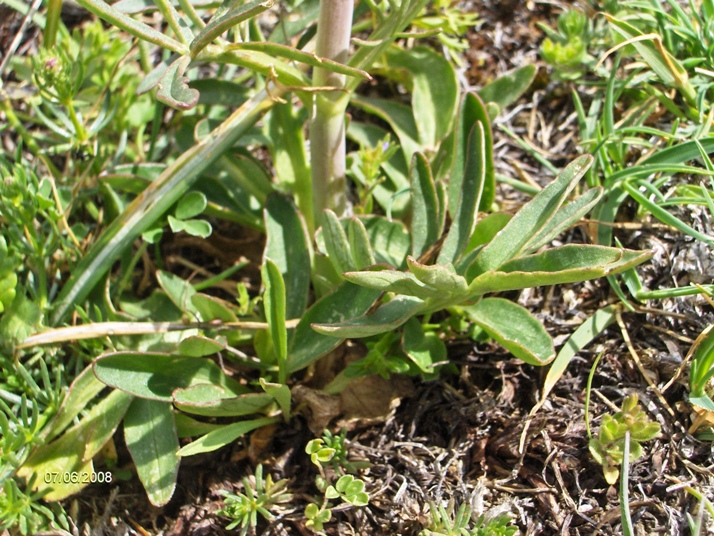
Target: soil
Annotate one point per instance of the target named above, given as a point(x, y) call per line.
point(470, 437)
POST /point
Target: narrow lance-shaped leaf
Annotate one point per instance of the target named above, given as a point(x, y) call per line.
point(294, 54)
point(568, 215)
point(274, 301)
point(150, 434)
point(566, 264)
point(155, 376)
point(336, 243)
point(288, 247)
point(528, 222)
point(425, 205)
point(347, 301)
point(506, 89)
point(388, 280)
point(472, 187)
point(361, 249)
point(213, 401)
point(224, 19)
point(388, 317)
point(138, 29)
point(472, 111)
point(224, 436)
point(436, 276)
point(514, 328)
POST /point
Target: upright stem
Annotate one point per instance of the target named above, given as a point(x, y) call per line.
point(327, 131)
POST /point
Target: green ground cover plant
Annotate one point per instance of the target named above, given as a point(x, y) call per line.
point(421, 252)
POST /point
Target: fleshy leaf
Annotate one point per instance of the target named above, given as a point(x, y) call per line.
point(506, 89)
point(213, 401)
point(388, 317)
point(155, 376)
point(150, 434)
point(426, 226)
point(224, 435)
point(514, 328)
point(336, 243)
point(436, 276)
point(387, 280)
point(566, 264)
point(423, 348)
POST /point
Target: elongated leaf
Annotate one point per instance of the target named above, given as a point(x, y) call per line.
point(472, 187)
point(163, 192)
point(387, 280)
point(568, 215)
point(347, 301)
point(72, 453)
point(702, 363)
point(150, 434)
point(274, 303)
point(388, 317)
point(211, 308)
point(506, 89)
point(224, 19)
point(173, 87)
point(288, 247)
point(438, 277)
point(138, 29)
point(389, 240)
point(529, 220)
point(336, 243)
point(472, 111)
point(566, 264)
point(213, 401)
point(199, 346)
point(155, 376)
point(82, 391)
point(294, 54)
point(224, 436)
point(179, 291)
point(435, 91)
point(584, 335)
point(426, 227)
point(361, 249)
point(514, 328)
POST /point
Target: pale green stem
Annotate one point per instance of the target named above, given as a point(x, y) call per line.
point(327, 131)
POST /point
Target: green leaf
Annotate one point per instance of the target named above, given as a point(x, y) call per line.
point(199, 346)
point(426, 222)
point(192, 204)
point(81, 392)
point(362, 255)
point(702, 368)
point(435, 91)
point(224, 436)
point(211, 308)
point(514, 328)
point(398, 116)
point(274, 303)
point(20, 320)
point(155, 376)
point(390, 240)
point(346, 301)
point(226, 18)
point(288, 247)
point(566, 264)
point(472, 111)
point(213, 401)
point(199, 228)
point(150, 435)
point(530, 220)
point(336, 243)
point(584, 335)
point(472, 188)
point(281, 394)
point(567, 216)
point(436, 276)
point(180, 292)
point(72, 453)
point(173, 87)
point(507, 89)
point(388, 280)
point(387, 318)
point(423, 348)
point(8, 276)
